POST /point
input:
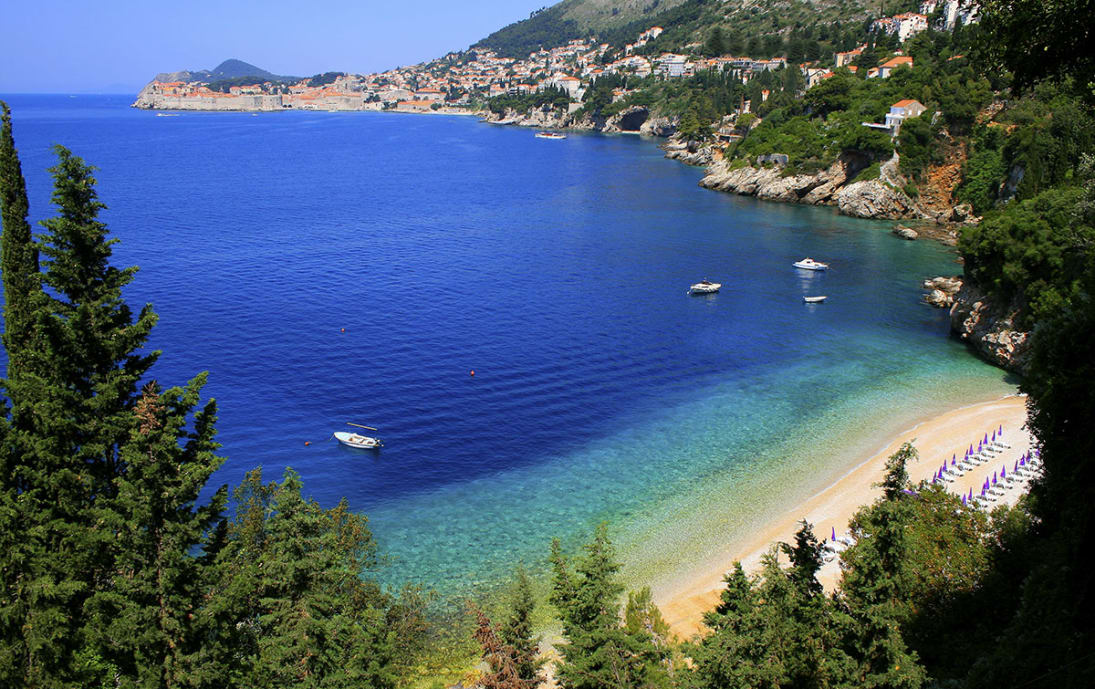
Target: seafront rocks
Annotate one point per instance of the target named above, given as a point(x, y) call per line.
point(943, 291)
point(906, 233)
point(830, 187)
point(629, 120)
point(689, 153)
point(836, 186)
point(990, 328)
point(875, 199)
point(634, 120)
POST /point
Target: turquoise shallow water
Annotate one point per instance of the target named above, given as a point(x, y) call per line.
point(557, 271)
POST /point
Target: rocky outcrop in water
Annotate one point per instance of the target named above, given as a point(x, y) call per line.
point(992, 329)
point(689, 153)
point(942, 291)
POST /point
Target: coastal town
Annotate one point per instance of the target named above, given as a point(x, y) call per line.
point(462, 82)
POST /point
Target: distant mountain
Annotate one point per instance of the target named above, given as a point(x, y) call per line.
point(229, 69)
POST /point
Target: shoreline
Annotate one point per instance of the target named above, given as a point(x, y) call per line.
point(685, 598)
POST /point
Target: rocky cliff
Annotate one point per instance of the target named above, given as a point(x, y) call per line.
point(838, 186)
point(991, 328)
point(835, 186)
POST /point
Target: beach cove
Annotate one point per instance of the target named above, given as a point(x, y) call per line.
point(684, 600)
point(354, 267)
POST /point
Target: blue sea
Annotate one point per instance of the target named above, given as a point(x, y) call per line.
point(357, 267)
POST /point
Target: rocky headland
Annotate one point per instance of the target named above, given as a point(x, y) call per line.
point(839, 185)
point(991, 328)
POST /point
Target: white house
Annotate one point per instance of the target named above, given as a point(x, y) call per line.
point(672, 66)
point(901, 111)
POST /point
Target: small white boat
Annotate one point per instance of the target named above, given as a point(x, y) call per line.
point(704, 287)
point(361, 442)
point(550, 135)
point(814, 300)
point(810, 264)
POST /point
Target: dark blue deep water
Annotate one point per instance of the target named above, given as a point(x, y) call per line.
point(556, 270)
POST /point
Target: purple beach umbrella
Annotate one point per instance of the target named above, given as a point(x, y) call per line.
point(834, 533)
point(1015, 468)
point(953, 462)
point(1003, 472)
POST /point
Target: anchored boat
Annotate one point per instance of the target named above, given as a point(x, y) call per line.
point(814, 300)
point(704, 287)
point(357, 440)
point(810, 264)
point(550, 135)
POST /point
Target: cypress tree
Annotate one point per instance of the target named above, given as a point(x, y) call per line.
point(142, 619)
point(18, 254)
point(71, 388)
point(19, 267)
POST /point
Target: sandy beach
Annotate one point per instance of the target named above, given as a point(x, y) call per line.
point(684, 600)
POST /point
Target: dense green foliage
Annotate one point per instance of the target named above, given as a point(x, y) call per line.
point(549, 97)
point(111, 573)
point(325, 78)
point(1037, 40)
point(544, 28)
point(599, 650)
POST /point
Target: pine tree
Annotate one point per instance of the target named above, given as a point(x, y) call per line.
point(290, 582)
point(600, 652)
point(805, 558)
point(499, 656)
point(875, 584)
point(517, 631)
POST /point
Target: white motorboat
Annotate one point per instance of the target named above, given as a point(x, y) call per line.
point(361, 442)
point(810, 264)
point(550, 135)
point(814, 300)
point(705, 287)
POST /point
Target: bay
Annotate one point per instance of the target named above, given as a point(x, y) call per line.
point(335, 267)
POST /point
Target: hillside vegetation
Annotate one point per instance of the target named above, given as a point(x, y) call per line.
point(754, 28)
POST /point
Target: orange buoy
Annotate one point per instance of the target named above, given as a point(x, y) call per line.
point(472, 372)
point(344, 330)
point(307, 442)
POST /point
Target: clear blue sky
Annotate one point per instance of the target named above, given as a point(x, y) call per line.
point(116, 46)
